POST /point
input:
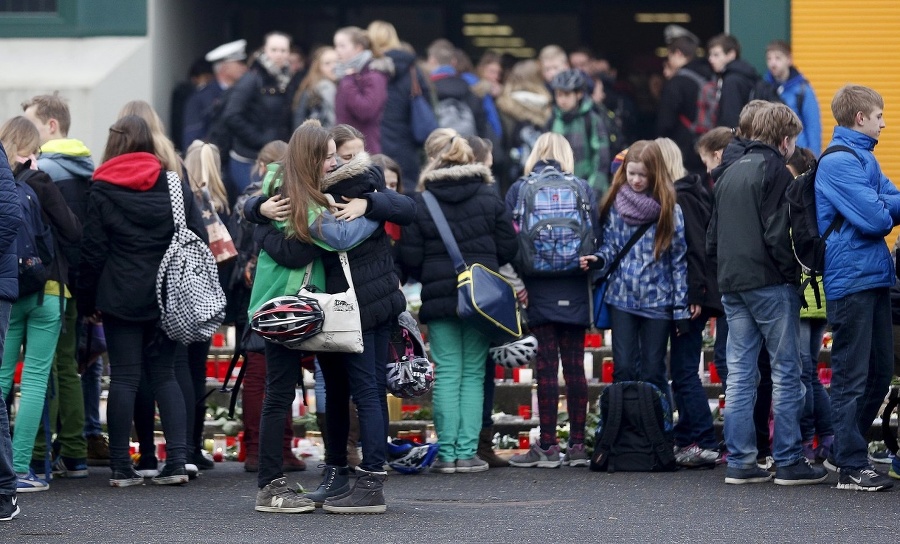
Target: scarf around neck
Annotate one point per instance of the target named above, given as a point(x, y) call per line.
point(636, 208)
point(281, 75)
point(356, 64)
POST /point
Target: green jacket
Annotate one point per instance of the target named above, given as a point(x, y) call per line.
point(589, 138)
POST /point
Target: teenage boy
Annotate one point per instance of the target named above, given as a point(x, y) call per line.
point(758, 277)
point(68, 163)
point(795, 91)
point(736, 78)
point(576, 119)
point(10, 218)
point(678, 102)
point(859, 272)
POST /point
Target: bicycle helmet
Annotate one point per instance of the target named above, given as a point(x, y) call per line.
point(569, 80)
point(515, 354)
point(410, 377)
point(408, 457)
point(288, 320)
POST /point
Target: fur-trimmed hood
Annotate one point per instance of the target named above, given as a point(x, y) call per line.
point(456, 183)
point(382, 64)
point(354, 178)
point(526, 106)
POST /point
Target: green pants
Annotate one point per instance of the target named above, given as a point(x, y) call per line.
point(66, 396)
point(40, 323)
point(459, 352)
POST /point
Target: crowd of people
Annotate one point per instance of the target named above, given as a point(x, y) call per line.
point(319, 177)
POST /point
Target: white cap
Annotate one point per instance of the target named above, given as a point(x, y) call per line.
point(235, 50)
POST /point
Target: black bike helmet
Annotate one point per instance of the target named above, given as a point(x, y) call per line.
point(569, 80)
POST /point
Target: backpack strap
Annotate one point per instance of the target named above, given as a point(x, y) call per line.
point(625, 249)
point(648, 411)
point(612, 426)
point(177, 198)
point(437, 215)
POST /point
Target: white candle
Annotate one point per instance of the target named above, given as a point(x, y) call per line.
point(525, 375)
point(588, 366)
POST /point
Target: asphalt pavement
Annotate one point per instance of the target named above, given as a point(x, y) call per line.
point(506, 505)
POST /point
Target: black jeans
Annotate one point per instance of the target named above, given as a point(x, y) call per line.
point(190, 368)
point(283, 373)
point(362, 375)
point(135, 347)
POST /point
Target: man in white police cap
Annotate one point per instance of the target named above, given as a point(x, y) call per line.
point(202, 107)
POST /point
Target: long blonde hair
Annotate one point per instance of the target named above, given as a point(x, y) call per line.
point(301, 175)
point(204, 168)
point(660, 188)
point(163, 147)
point(383, 36)
point(552, 146)
point(20, 138)
point(672, 158)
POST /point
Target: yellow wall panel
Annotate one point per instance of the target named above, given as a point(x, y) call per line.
point(837, 42)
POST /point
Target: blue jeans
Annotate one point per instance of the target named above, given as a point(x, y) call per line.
point(816, 415)
point(90, 389)
point(321, 398)
point(695, 424)
point(769, 314)
point(639, 349)
point(719, 349)
point(862, 353)
point(8, 479)
point(363, 376)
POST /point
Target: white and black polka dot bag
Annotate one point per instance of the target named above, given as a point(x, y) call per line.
point(191, 301)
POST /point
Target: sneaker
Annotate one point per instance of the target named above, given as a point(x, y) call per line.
point(753, 475)
point(694, 456)
point(865, 479)
point(474, 464)
point(576, 456)
point(202, 461)
point(894, 472)
point(148, 467)
point(537, 457)
point(9, 507)
point(766, 463)
point(336, 482)
point(68, 467)
point(171, 475)
point(800, 473)
point(29, 483)
point(279, 498)
point(366, 497)
point(98, 450)
point(126, 478)
point(444, 467)
point(193, 471)
point(39, 467)
point(829, 464)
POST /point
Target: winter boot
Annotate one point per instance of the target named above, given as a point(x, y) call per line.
point(486, 449)
point(336, 482)
point(366, 497)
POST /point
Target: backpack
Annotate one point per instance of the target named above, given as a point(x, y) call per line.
point(191, 301)
point(809, 247)
point(763, 90)
point(34, 242)
point(634, 433)
point(553, 219)
point(456, 114)
point(709, 91)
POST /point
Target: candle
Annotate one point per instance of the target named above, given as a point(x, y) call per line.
point(588, 366)
point(525, 375)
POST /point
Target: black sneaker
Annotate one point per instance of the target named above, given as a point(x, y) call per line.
point(753, 475)
point(202, 461)
point(800, 473)
point(9, 507)
point(865, 479)
point(125, 478)
point(829, 464)
point(171, 475)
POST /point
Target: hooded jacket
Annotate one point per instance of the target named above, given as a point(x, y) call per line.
point(856, 257)
point(677, 104)
point(797, 93)
point(586, 133)
point(737, 83)
point(696, 206)
point(128, 227)
point(397, 140)
point(523, 114)
point(480, 223)
point(361, 99)
point(10, 219)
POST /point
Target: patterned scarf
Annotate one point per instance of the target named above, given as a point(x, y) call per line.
point(281, 75)
point(636, 208)
point(355, 65)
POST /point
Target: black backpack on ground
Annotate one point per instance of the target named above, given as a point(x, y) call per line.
point(634, 433)
point(809, 247)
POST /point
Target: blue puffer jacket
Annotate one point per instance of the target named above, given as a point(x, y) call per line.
point(856, 257)
point(790, 92)
point(642, 282)
point(10, 218)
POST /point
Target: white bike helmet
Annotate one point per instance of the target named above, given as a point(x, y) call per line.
point(410, 377)
point(518, 353)
point(288, 320)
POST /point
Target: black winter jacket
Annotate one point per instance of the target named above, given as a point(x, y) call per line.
point(677, 104)
point(126, 232)
point(371, 262)
point(397, 141)
point(749, 228)
point(480, 223)
point(696, 206)
point(10, 220)
point(256, 112)
point(737, 83)
point(456, 87)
